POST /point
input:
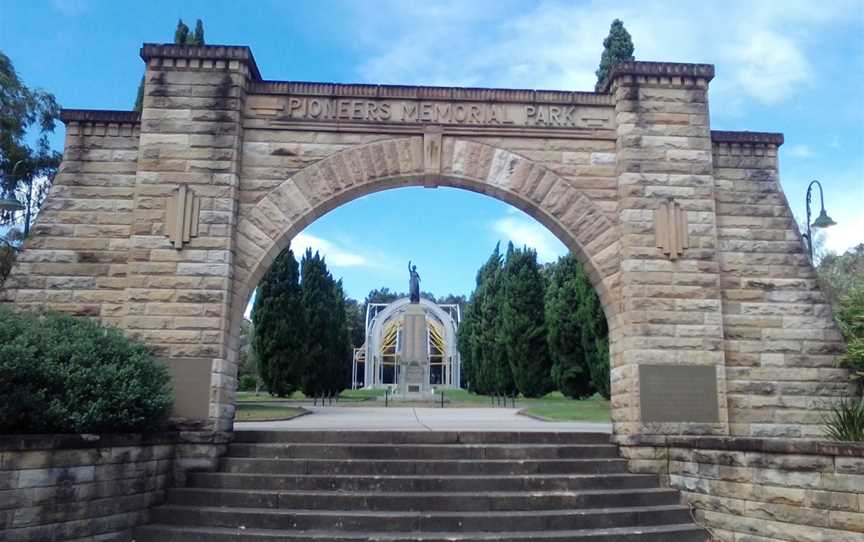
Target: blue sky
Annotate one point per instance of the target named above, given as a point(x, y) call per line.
point(795, 67)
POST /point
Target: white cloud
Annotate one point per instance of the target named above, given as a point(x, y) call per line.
point(525, 231)
point(800, 151)
point(336, 255)
point(845, 235)
point(763, 51)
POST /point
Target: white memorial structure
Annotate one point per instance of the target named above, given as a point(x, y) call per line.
point(410, 347)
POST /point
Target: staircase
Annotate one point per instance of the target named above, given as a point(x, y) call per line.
point(421, 486)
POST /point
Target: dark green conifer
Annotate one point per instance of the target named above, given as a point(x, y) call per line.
point(197, 38)
point(523, 326)
point(280, 334)
point(617, 47)
point(570, 372)
point(181, 33)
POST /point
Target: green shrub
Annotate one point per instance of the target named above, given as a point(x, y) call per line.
point(846, 420)
point(60, 374)
point(850, 317)
point(247, 383)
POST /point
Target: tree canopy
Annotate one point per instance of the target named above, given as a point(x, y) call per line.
point(27, 170)
point(617, 47)
point(182, 36)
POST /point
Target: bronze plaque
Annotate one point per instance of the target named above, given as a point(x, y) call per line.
point(190, 378)
point(679, 393)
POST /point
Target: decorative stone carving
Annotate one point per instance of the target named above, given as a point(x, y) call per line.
point(671, 229)
point(181, 223)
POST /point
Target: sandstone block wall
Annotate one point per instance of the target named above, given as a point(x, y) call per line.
point(77, 252)
point(738, 305)
point(761, 490)
point(86, 487)
point(780, 338)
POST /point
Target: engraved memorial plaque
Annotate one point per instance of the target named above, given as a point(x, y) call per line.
point(678, 393)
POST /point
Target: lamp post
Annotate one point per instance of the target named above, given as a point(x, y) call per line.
point(9, 203)
point(822, 221)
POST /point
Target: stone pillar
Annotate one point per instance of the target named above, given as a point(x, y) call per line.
point(668, 371)
point(414, 357)
point(185, 208)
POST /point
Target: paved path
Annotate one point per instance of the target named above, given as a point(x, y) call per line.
point(420, 419)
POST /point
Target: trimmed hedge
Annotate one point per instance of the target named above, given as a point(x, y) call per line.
point(60, 374)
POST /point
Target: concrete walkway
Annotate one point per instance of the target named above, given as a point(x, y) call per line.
point(419, 419)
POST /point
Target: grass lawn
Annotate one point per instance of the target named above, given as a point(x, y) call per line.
point(259, 413)
point(249, 396)
point(594, 409)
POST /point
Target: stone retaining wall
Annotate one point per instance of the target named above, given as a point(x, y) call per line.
point(761, 490)
point(93, 487)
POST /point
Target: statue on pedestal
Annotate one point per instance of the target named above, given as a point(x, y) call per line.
point(413, 283)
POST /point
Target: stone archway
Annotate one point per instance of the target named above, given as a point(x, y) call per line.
point(161, 223)
point(265, 230)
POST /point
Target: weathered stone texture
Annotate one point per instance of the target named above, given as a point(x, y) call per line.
point(779, 335)
point(76, 255)
point(740, 297)
point(761, 489)
point(70, 487)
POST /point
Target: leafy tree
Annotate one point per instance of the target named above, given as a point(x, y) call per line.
point(617, 47)
point(850, 317)
point(182, 36)
point(523, 327)
point(280, 339)
point(570, 371)
point(27, 171)
point(356, 316)
point(840, 274)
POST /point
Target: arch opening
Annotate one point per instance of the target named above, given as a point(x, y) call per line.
point(267, 228)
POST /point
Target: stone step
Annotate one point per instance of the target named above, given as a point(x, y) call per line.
point(426, 501)
point(412, 466)
point(422, 451)
point(660, 533)
point(409, 521)
point(417, 483)
point(422, 437)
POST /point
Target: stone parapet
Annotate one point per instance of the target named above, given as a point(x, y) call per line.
point(504, 95)
point(657, 73)
point(102, 116)
point(768, 489)
point(747, 138)
point(71, 487)
point(201, 57)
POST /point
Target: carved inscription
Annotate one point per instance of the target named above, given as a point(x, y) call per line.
point(305, 108)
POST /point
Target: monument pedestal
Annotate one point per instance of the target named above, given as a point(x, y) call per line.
point(414, 358)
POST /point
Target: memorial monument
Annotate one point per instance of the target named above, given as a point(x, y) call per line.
point(414, 354)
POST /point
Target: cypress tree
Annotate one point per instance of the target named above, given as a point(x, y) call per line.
point(181, 37)
point(279, 340)
point(595, 333)
point(617, 47)
point(327, 344)
point(492, 369)
point(523, 328)
point(181, 33)
point(198, 37)
point(570, 371)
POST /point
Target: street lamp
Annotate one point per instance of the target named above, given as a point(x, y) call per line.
point(9, 203)
point(822, 221)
